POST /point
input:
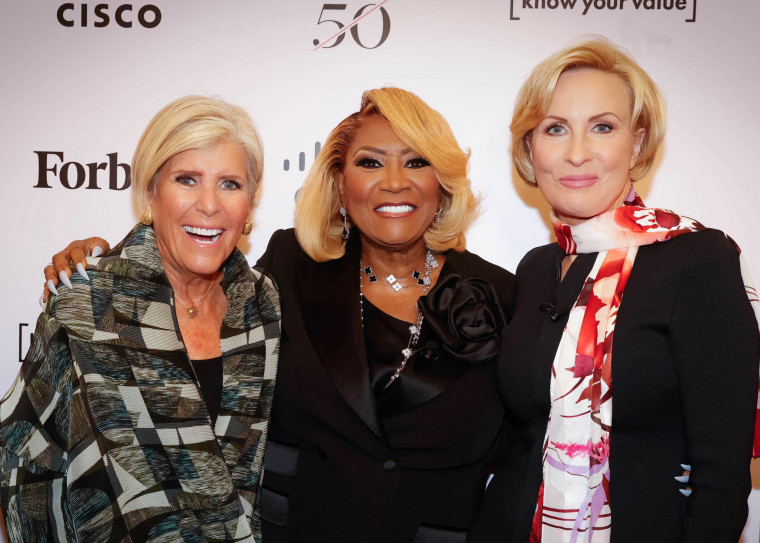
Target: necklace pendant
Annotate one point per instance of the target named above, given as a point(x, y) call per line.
point(192, 311)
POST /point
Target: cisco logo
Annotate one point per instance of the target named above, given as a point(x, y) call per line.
point(101, 15)
point(302, 158)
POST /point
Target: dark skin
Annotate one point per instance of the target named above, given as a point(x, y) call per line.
point(391, 193)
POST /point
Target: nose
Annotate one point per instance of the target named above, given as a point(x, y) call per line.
point(208, 200)
point(579, 150)
point(395, 178)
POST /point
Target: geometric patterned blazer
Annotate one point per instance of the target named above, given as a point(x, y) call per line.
point(104, 436)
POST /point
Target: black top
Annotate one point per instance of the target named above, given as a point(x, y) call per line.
point(684, 382)
point(210, 373)
point(384, 338)
point(344, 465)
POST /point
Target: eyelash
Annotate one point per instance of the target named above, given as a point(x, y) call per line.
point(413, 163)
point(235, 185)
point(183, 180)
point(420, 162)
point(367, 162)
point(608, 128)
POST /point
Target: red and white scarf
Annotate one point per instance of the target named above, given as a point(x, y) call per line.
point(573, 503)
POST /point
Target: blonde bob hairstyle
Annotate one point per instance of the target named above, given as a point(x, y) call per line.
point(318, 222)
point(535, 96)
point(193, 122)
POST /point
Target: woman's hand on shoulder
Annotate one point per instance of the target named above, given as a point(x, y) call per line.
point(75, 254)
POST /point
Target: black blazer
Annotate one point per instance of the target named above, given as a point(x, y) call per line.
point(336, 471)
point(684, 381)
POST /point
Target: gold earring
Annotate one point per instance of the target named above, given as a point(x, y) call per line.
point(247, 228)
point(146, 218)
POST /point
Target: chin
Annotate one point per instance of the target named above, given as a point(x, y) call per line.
point(205, 266)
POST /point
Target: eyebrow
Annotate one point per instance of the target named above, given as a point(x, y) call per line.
point(198, 173)
point(383, 152)
point(592, 118)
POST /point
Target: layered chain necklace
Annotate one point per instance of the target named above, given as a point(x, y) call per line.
point(192, 309)
point(421, 279)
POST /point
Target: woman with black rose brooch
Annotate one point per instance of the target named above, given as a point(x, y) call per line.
point(386, 412)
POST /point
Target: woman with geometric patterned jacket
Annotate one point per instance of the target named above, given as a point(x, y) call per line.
point(386, 414)
point(141, 410)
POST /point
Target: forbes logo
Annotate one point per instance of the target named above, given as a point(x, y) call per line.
point(72, 175)
point(148, 16)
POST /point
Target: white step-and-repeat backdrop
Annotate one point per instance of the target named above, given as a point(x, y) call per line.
point(79, 82)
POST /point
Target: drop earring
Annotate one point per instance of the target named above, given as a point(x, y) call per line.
point(344, 213)
point(438, 217)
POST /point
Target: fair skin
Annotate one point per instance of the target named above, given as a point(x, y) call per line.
point(583, 149)
point(391, 194)
point(381, 173)
point(199, 208)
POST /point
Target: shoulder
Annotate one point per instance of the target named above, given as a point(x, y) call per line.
point(706, 252)
point(284, 239)
point(266, 287)
point(74, 309)
point(282, 252)
point(539, 257)
point(469, 264)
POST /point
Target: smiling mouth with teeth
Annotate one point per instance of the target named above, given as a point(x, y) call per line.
point(203, 235)
point(395, 209)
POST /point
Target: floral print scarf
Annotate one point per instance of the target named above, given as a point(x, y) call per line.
point(573, 503)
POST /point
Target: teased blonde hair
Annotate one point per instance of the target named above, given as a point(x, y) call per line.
point(193, 122)
point(318, 222)
point(598, 53)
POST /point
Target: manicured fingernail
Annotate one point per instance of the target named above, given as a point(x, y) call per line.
point(51, 287)
point(682, 478)
point(685, 491)
point(97, 251)
point(687, 467)
point(42, 301)
point(82, 271)
point(64, 278)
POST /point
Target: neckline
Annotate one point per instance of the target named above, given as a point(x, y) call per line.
point(409, 323)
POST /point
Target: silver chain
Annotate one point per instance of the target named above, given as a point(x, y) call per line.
point(422, 280)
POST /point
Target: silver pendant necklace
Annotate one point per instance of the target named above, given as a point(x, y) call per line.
point(419, 279)
point(422, 280)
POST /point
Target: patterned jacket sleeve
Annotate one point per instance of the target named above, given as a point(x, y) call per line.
point(34, 433)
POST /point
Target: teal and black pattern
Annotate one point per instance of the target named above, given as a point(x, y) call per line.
point(104, 436)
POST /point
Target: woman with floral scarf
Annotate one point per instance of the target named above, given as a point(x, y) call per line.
point(630, 368)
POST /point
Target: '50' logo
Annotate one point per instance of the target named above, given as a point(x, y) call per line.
point(353, 26)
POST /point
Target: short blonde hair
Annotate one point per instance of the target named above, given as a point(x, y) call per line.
point(194, 122)
point(318, 222)
point(535, 96)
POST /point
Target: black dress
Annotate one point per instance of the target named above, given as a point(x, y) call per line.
point(684, 381)
point(345, 464)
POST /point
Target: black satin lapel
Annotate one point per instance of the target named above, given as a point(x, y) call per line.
point(429, 371)
point(332, 317)
point(565, 294)
point(426, 376)
point(571, 285)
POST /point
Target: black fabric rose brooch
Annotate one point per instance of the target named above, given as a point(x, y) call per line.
point(466, 316)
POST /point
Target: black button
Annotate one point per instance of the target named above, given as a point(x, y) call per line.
point(322, 454)
point(389, 465)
